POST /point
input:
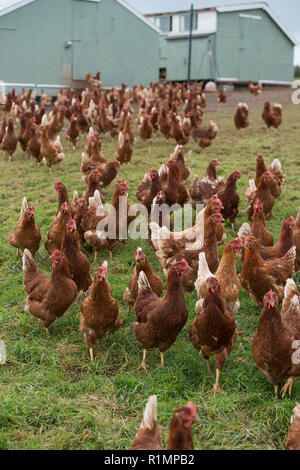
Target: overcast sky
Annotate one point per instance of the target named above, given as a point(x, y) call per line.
point(288, 11)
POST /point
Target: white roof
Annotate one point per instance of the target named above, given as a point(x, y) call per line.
point(139, 15)
point(6, 6)
point(263, 6)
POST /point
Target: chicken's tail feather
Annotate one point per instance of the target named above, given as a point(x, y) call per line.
point(28, 262)
point(245, 231)
point(143, 282)
point(203, 266)
point(276, 164)
point(24, 207)
point(150, 413)
point(250, 190)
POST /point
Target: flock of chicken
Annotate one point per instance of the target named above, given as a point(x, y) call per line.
point(190, 259)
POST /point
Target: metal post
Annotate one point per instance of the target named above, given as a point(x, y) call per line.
point(190, 43)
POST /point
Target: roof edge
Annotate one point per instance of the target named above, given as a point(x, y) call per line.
point(14, 6)
point(139, 15)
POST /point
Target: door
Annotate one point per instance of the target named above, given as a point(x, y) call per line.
point(249, 48)
point(84, 20)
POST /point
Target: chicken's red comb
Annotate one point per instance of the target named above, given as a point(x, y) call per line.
point(192, 408)
point(57, 182)
point(72, 223)
point(290, 219)
point(55, 253)
point(271, 295)
point(103, 269)
point(185, 263)
point(31, 210)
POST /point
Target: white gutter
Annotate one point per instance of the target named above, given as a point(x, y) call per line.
point(274, 82)
point(227, 79)
point(32, 85)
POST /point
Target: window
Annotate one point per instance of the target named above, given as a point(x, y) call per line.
point(165, 23)
point(185, 22)
point(162, 74)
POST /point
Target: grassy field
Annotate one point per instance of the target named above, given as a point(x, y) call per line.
point(53, 397)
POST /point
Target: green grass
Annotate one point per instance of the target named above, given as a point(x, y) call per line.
point(53, 397)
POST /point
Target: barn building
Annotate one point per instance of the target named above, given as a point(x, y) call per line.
point(53, 43)
point(232, 43)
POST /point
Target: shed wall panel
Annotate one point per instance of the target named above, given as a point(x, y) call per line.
point(249, 48)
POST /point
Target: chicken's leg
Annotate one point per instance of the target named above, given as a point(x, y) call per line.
point(276, 391)
point(95, 256)
point(216, 385)
point(287, 387)
point(208, 366)
point(143, 364)
point(110, 254)
point(128, 311)
point(162, 359)
point(92, 354)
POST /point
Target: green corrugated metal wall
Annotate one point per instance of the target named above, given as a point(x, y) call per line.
point(107, 37)
point(175, 58)
point(252, 49)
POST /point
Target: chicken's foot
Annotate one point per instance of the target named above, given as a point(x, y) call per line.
point(216, 385)
point(143, 364)
point(287, 387)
